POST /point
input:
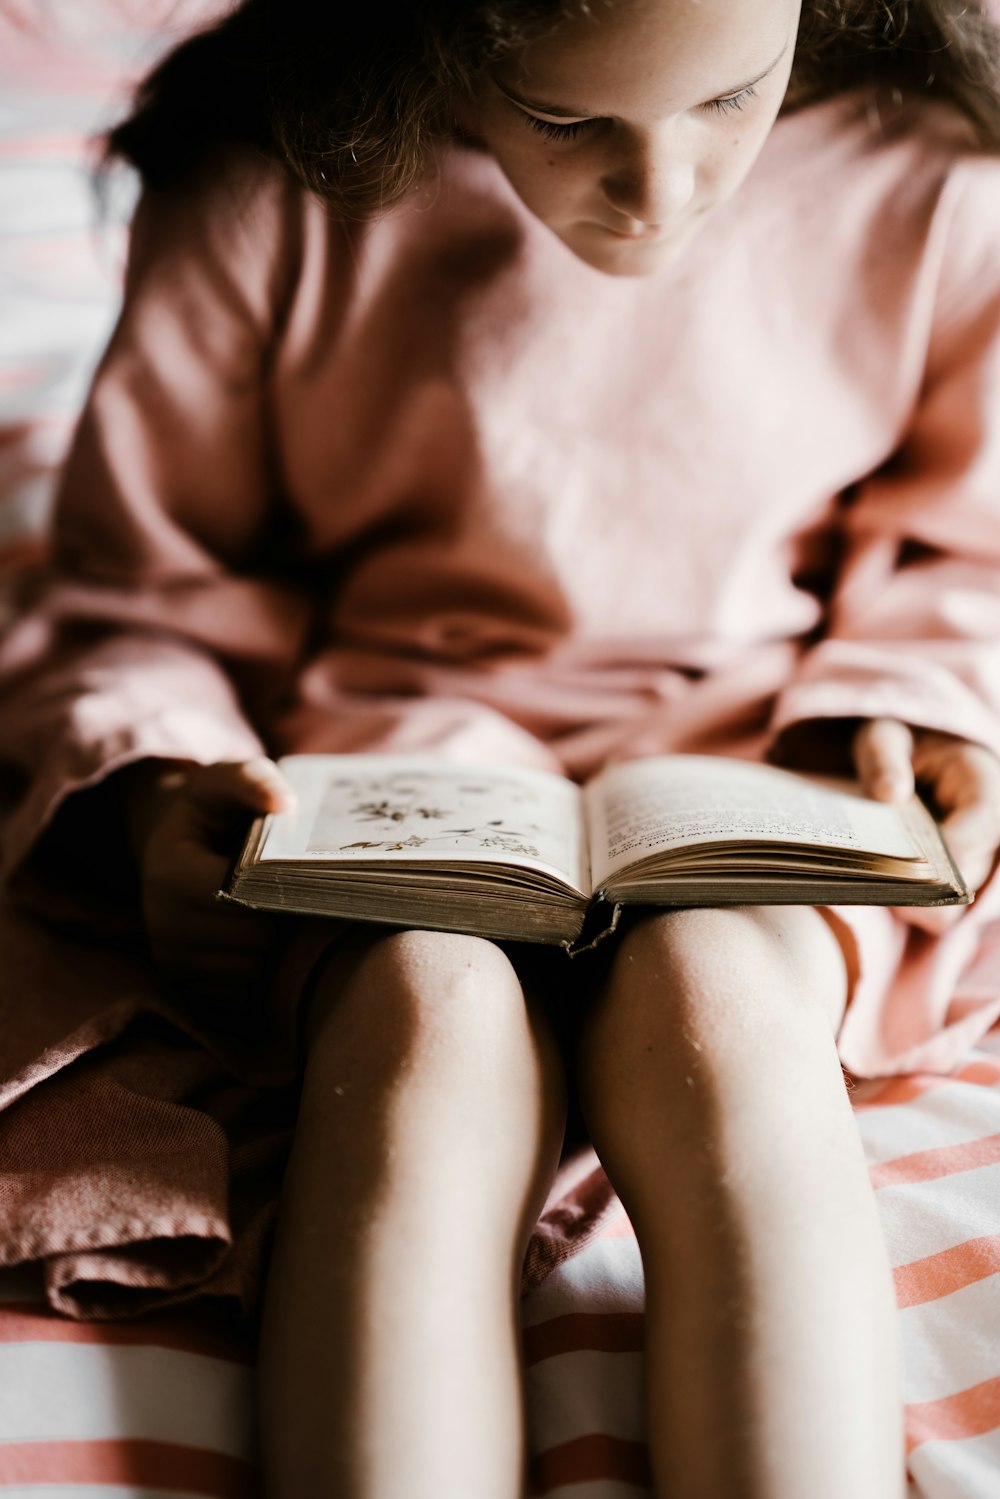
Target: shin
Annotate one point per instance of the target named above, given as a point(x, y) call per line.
point(431, 1122)
point(714, 1095)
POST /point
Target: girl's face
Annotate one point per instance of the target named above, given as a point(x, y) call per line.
point(623, 130)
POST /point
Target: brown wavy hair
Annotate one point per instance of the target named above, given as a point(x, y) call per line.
point(352, 98)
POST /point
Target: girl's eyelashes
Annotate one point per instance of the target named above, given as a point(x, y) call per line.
point(730, 103)
point(554, 132)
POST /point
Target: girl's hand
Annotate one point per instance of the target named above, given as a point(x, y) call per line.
point(186, 823)
point(963, 780)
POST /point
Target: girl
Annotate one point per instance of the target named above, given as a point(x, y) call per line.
point(510, 380)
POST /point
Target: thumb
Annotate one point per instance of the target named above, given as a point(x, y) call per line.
point(883, 755)
point(220, 790)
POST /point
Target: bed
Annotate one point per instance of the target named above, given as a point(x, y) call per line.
point(163, 1405)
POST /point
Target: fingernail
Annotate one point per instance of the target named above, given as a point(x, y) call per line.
point(262, 769)
point(268, 776)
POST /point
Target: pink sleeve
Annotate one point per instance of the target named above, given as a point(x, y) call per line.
point(156, 614)
point(914, 629)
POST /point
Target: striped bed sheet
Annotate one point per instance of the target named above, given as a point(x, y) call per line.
point(933, 1148)
point(164, 1406)
point(105, 1411)
point(66, 71)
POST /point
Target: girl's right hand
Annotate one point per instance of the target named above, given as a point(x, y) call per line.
point(185, 822)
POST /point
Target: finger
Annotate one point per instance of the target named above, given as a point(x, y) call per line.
point(971, 835)
point(208, 968)
point(187, 875)
point(198, 953)
point(190, 930)
point(220, 1003)
point(883, 756)
point(963, 781)
point(958, 773)
point(252, 785)
point(931, 919)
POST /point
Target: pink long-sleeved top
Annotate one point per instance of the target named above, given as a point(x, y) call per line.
point(432, 482)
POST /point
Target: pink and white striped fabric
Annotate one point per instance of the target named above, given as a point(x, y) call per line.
point(102, 1412)
point(164, 1406)
point(66, 71)
point(933, 1146)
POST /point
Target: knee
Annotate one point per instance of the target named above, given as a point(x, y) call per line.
point(723, 979)
point(437, 997)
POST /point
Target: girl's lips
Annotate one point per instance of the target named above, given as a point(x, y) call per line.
point(649, 232)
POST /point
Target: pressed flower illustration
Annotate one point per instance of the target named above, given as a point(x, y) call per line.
point(441, 813)
point(511, 844)
point(387, 811)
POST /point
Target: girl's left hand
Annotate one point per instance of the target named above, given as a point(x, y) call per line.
point(963, 781)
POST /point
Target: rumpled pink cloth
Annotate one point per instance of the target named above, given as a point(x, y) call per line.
point(430, 482)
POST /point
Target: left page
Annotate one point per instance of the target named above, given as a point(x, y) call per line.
point(407, 809)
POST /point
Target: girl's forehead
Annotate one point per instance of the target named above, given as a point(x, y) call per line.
point(630, 54)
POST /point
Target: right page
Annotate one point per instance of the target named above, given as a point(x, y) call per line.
point(642, 808)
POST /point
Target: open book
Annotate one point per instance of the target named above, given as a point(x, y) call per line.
point(506, 852)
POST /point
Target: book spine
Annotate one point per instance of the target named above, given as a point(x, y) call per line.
point(602, 919)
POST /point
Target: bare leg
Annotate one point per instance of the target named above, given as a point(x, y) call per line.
point(431, 1123)
point(713, 1093)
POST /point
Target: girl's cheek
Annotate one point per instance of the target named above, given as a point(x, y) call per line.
point(729, 165)
point(539, 176)
point(557, 190)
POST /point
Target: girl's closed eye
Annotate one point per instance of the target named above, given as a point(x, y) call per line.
point(554, 132)
point(730, 103)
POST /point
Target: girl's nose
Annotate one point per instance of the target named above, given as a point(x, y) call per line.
point(652, 189)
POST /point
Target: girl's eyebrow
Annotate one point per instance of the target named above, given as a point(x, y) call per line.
point(563, 113)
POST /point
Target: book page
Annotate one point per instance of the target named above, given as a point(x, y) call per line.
point(418, 809)
point(643, 806)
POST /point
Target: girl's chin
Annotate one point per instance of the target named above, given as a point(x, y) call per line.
point(621, 254)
